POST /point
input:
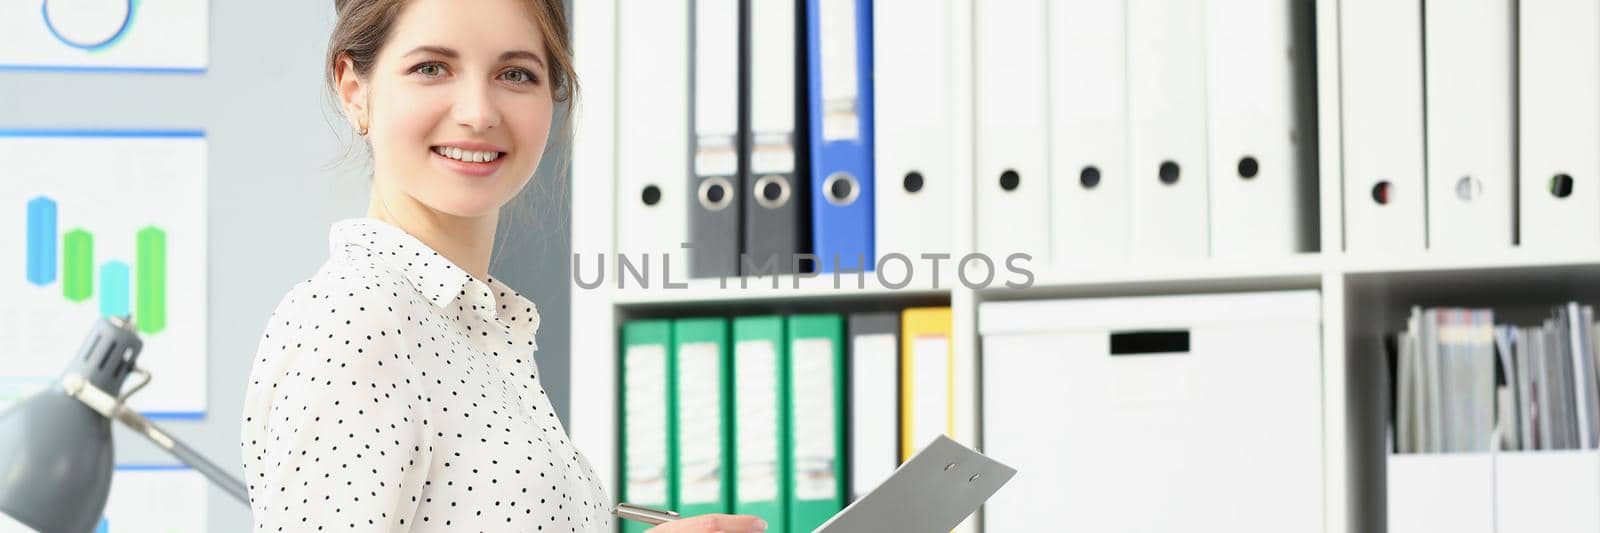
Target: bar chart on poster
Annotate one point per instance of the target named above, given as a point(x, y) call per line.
point(118, 35)
point(111, 223)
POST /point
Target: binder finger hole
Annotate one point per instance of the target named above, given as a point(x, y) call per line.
point(949, 466)
point(1248, 167)
point(1089, 177)
point(974, 478)
point(1168, 172)
point(1381, 192)
point(772, 191)
point(842, 188)
point(651, 195)
point(1010, 180)
point(913, 181)
point(1561, 185)
point(716, 193)
point(1468, 188)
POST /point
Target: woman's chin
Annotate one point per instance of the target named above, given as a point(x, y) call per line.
point(467, 200)
point(467, 208)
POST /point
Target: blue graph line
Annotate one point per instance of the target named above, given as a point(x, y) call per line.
point(105, 70)
point(174, 415)
point(58, 133)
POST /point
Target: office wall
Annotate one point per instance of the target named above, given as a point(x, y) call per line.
point(274, 138)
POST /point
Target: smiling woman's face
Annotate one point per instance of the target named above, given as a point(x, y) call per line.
point(458, 104)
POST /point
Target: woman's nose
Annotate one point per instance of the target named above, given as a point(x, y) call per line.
point(475, 108)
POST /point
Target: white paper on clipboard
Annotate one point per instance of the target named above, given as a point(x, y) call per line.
point(932, 493)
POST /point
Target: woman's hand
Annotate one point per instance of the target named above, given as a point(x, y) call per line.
point(713, 523)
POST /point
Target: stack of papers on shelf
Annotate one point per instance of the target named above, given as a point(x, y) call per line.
point(1551, 397)
point(1444, 386)
point(1459, 380)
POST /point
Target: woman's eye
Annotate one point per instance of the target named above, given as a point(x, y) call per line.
point(429, 69)
point(517, 75)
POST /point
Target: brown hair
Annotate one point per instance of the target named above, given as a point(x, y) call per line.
point(363, 27)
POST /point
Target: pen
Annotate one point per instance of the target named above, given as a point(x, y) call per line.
point(643, 514)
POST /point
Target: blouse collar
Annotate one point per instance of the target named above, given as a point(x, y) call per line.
point(440, 280)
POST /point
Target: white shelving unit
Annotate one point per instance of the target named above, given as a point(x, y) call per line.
point(1363, 297)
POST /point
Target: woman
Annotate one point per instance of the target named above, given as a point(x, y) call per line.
point(396, 390)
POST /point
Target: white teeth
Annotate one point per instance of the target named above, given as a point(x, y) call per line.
point(469, 156)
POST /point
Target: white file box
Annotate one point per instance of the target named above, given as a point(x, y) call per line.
point(1441, 492)
point(1185, 413)
point(1547, 491)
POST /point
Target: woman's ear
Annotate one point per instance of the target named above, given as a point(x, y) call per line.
point(352, 93)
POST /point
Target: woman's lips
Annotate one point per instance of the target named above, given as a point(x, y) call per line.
point(477, 170)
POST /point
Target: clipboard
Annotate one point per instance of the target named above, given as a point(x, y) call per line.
point(932, 493)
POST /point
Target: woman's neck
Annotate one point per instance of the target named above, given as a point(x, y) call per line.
point(467, 242)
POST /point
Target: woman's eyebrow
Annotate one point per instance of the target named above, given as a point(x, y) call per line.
point(440, 50)
point(521, 54)
point(452, 54)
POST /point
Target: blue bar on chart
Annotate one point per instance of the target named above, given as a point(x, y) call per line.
point(41, 241)
point(114, 289)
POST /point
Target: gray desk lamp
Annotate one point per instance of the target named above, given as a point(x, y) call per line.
point(55, 446)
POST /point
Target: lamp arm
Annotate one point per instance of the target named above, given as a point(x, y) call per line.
point(112, 407)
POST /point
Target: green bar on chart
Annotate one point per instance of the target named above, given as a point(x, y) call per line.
point(77, 266)
point(150, 311)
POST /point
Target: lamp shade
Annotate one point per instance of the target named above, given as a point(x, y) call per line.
point(56, 453)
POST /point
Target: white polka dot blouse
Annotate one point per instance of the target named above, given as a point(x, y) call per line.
point(393, 391)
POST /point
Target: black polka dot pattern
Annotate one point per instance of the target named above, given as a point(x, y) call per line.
point(393, 391)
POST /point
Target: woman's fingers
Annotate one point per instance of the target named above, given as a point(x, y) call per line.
point(713, 523)
point(740, 524)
